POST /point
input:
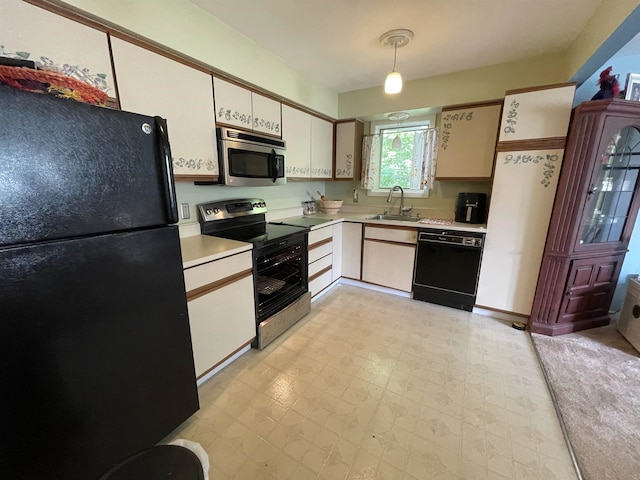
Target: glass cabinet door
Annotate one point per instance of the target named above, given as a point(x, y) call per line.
point(611, 191)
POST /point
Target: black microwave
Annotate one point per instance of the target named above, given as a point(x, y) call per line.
point(250, 160)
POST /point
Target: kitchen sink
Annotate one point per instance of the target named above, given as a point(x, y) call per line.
point(394, 217)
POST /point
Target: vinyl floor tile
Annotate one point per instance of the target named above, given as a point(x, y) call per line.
point(376, 386)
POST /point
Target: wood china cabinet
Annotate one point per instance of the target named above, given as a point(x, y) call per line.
point(592, 220)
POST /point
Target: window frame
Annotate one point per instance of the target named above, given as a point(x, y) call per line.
point(425, 122)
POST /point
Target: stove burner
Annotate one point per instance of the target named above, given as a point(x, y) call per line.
point(243, 220)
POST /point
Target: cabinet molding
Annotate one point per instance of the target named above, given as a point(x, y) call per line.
point(537, 144)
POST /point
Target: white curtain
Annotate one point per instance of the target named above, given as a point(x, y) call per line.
point(371, 151)
point(425, 149)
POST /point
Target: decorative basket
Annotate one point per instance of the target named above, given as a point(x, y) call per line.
point(52, 83)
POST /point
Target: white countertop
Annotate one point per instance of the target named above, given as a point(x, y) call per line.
point(199, 249)
point(364, 218)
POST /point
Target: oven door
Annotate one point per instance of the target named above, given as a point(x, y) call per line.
point(280, 275)
point(252, 166)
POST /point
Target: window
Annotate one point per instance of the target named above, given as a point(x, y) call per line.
point(400, 155)
point(398, 159)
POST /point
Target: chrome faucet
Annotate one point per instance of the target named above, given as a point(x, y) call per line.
point(401, 210)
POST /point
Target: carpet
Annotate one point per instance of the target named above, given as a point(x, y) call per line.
point(594, 376)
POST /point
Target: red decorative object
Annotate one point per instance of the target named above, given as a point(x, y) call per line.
point(52, 83)
point(609, 85)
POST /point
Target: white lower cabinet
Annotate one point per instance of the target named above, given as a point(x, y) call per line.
point(220, 301)
point(388, 256)
point(351, 250)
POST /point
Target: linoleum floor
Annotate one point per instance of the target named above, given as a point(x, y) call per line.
point(376, 386)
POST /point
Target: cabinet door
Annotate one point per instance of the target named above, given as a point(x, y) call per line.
point(233, 104)
point(610, 195)
point(296, 131)
point(30, 32)
point(467, 143)
point(522, 196)
point(181, 95)
point(351, 249)
point(221, 325)
point(589, 289)
point(348, 150)
point(321, 149)
point(388, 264)
point(540, 113)
point(267, 117)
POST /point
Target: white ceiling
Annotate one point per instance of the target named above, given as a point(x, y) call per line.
point(336, 41)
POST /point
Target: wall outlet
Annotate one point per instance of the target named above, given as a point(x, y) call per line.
point(184, 209)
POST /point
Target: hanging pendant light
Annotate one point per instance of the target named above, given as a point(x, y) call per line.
point(395, 39)
point(396, 144)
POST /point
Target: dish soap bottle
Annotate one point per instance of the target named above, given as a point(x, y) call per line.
point(355, 195)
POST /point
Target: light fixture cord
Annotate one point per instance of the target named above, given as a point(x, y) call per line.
point(395, 52)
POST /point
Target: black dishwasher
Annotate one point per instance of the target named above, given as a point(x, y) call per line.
point(447, 267)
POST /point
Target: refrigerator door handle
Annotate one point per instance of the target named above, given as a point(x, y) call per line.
point(167, 171)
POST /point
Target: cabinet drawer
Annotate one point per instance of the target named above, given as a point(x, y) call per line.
point(320, 283)
point(320, 251)
point(207, 273)
point(391, 234)
point(320, 265)
point(316, 236)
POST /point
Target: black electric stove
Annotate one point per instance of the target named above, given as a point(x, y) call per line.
point(280, 261)
point(244, 220)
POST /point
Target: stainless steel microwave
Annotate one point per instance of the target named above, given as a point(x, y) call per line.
point(250, 160)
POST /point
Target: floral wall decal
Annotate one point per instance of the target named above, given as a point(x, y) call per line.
point(447, 124)
point(549, 164)
point(512, 117)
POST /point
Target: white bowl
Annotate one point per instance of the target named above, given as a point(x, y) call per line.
point(330, 206)
point(330, 210)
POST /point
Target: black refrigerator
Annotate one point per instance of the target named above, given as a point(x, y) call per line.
point(96, 361)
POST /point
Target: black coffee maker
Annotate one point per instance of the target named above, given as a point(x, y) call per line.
point(471, 208)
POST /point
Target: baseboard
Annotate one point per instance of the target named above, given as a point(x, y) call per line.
point(510, 317)
point(371, 286)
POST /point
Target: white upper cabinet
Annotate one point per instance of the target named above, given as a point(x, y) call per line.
point(55, 42)
point(267, 117)
point(467, 142)
point(239, 107)
point(296, 128)
point(321, 149)
point(233, 104)
point(309, 145)
point(348, 150)
point(542, 113)
point(182, 95)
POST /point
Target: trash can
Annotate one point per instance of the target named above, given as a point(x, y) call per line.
point(629, 322)
point(159, 462)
